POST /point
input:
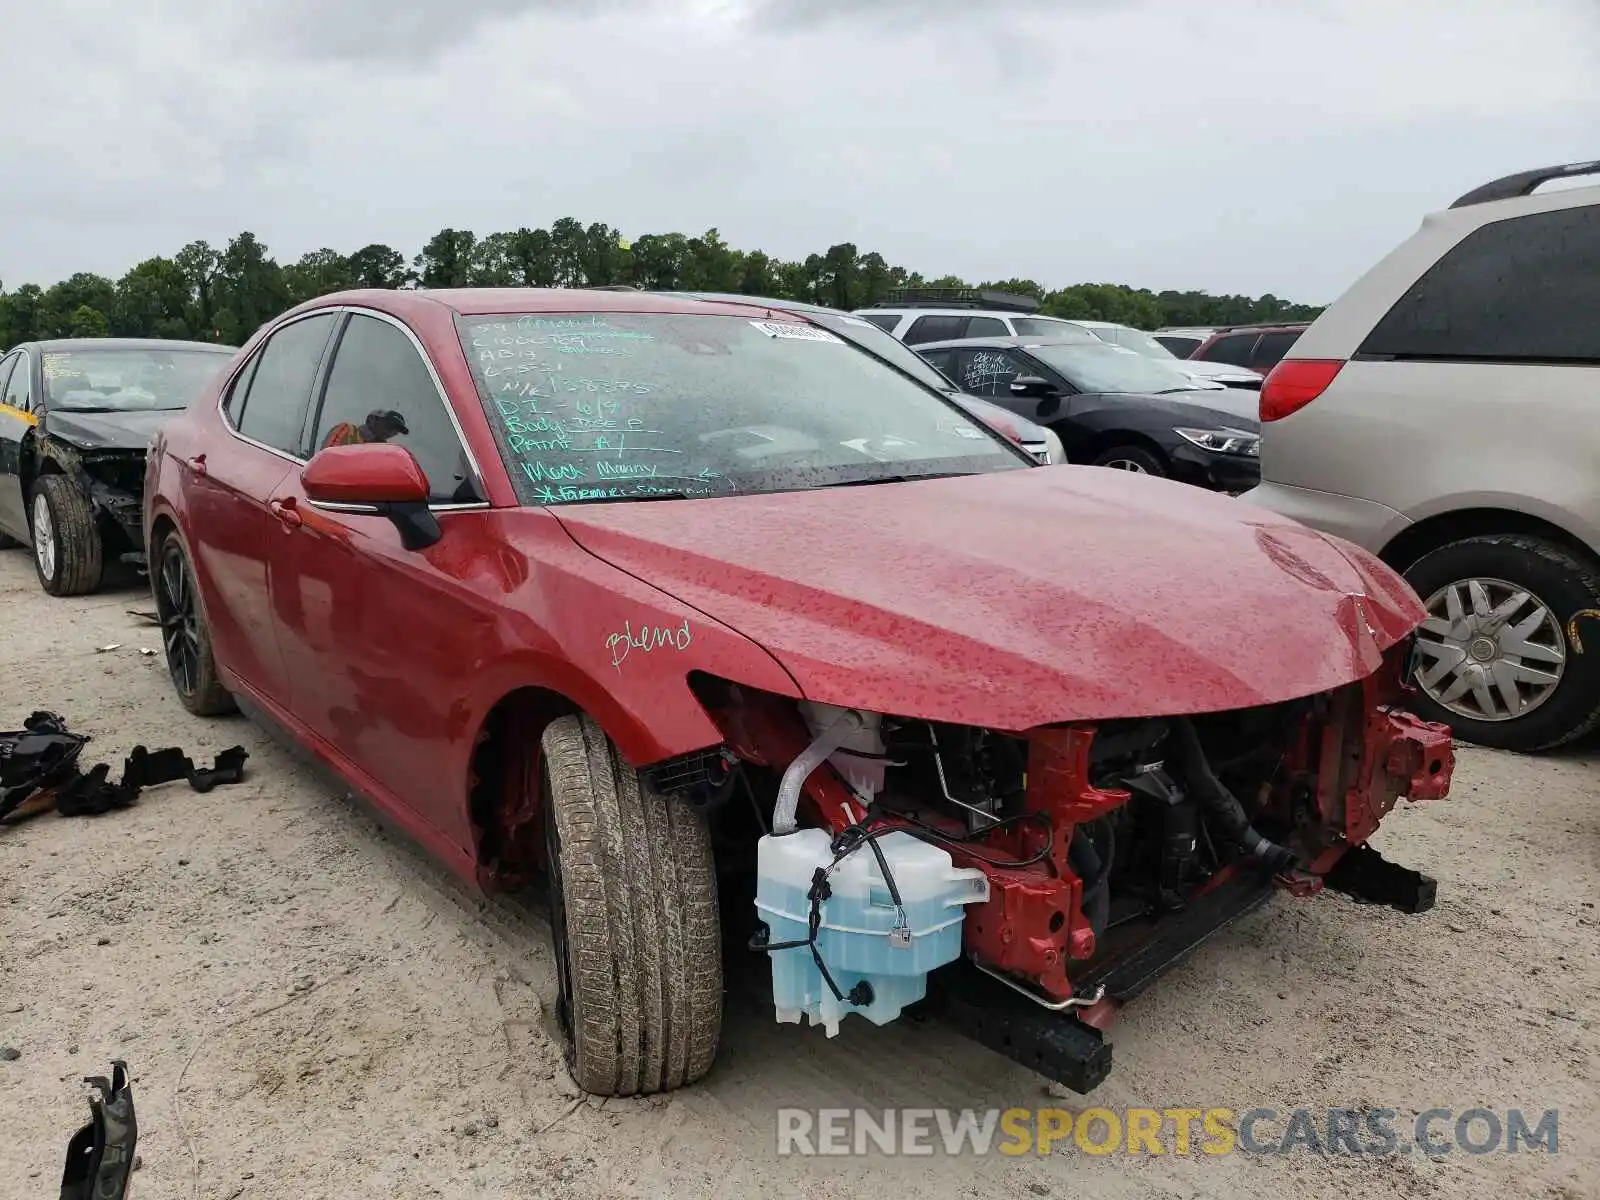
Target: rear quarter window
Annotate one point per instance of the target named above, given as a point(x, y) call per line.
point(1523, 289)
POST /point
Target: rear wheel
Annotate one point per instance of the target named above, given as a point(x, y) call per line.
point(1130, 458)
point(67, 553)
point(633, 917)
point(185, 636)
point(1502, 654)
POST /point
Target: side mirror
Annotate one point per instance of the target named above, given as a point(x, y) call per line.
point(378, 479)
point(1032, 385)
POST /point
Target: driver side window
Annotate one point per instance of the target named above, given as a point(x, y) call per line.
point(988, 372)
point(380, 390)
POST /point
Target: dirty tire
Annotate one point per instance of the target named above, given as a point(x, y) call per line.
point(76, 559)
point(1147, 462)
point(642, 977)
point(203, 694)
point(1569, 583)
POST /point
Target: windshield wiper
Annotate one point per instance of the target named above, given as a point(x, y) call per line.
point(893, 479)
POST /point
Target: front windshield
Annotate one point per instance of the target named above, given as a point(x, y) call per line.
point(644, 406)
point(1110, 369)
point(128, 379)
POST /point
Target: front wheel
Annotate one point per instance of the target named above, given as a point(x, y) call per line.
point(67, 554)
point(633, 918)
point(1510, 653)
point(1130, 458)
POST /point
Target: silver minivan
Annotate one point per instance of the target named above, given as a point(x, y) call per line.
point(1444, 414)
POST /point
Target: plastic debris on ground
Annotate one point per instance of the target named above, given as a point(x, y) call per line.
point(39, 772)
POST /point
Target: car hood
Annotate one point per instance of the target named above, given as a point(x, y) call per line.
point(130, 430)
point(1202, 409)
point(1019, 598)
point(1218, 371)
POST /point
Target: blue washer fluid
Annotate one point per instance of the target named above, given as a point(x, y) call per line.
point(858, 938)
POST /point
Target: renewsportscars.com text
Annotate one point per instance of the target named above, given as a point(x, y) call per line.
point(1367, 1132)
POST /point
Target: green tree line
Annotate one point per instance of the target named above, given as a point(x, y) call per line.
point(224, 295)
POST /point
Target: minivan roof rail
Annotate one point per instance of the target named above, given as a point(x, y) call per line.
point(956, 298)
point(1525, 183)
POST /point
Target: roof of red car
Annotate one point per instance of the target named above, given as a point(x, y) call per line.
point(484, 301)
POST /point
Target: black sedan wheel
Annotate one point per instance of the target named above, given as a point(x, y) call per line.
point(66, 544)
point(1130, 458)
point(185, 635)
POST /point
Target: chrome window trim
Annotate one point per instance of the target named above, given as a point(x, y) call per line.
point(369, 510)
point(433, 374)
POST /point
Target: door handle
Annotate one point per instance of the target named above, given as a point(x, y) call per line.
point(288, 515)
point(197, 464)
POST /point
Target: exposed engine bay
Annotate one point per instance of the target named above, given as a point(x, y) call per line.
point(1107, 852)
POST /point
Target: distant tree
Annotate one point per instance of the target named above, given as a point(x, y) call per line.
point(152, 300)
point(447, 260)
point(317, 274)
point(378, 266)
point(198, 262)
point(84, 321)
point(250, 289)
point(203, 293)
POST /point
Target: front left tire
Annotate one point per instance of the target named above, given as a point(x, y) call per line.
point(67, 554)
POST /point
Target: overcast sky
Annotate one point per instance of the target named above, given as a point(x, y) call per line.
point(1230, 145)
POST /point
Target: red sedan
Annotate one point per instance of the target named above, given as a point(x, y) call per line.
point(576, 585)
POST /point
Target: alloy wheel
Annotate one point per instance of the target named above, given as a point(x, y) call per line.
point(44, 537)
point(1493, 651)
point(180, 621)
point(1125, 464)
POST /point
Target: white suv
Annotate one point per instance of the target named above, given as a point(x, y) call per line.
point(1442, 414)
point(916, 325)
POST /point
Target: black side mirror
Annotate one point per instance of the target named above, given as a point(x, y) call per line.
point(1032, 385)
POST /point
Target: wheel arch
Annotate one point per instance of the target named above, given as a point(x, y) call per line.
point(1107, 438)
point(1423, 537)
point(503, 800)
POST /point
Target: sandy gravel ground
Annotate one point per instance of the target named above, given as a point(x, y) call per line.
point(311, 1009)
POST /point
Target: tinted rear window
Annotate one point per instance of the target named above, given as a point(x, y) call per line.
point(884, 321)
point(936, 329)
point(1233, 349)
point(1524, 289)
point(1271, 349)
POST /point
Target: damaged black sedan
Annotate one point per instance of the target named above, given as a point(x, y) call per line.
point(76, 416)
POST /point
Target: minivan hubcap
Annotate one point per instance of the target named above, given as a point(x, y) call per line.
point(1492, 651)
point(44, 537)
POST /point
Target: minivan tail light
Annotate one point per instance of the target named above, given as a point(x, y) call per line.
point(1295, 383)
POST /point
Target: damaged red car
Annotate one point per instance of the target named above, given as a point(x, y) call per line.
point(718, 625)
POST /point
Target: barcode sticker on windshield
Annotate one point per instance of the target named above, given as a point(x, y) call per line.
point(804, 333)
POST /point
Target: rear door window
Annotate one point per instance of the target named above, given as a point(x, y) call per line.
point(1271, 348)
point(884, 321)
point(280, 388)
point(986, 327)
point(1234, 349)
point(936, 329)
point(6, 364)
point(380, 390)
point(1526, 289)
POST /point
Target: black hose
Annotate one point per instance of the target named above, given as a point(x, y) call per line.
point(1219, 802)
point(1084, 857)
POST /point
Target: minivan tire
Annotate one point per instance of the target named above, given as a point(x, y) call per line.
point(1568, 584)
point(633, 917)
